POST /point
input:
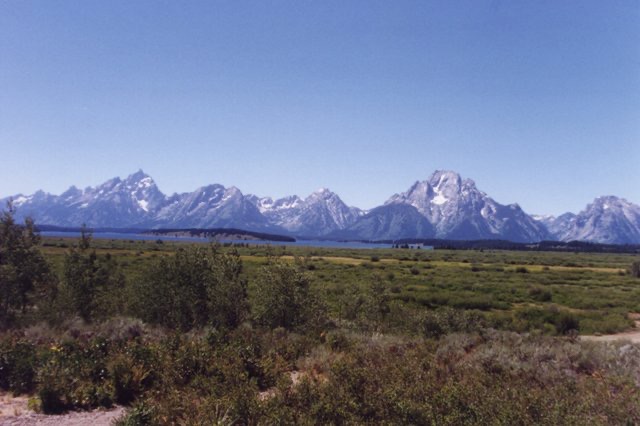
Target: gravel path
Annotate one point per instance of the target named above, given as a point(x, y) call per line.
point(632, 335)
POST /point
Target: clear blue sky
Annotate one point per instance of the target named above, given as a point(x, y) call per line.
point(537, 101)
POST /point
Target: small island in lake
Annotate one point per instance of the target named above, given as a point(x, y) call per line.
point(220, 234)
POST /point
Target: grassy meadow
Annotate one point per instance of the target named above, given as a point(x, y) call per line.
point(185, 333)
point(513, 290)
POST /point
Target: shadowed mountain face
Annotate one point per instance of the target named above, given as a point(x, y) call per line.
point(443, 206)
point(393, 221)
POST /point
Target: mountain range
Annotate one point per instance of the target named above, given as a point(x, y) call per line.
point(443, 206)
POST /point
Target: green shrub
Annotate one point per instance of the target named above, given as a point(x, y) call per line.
point(128, 378)
point(50, 400)
point(479, 302)
point(437, 323)
point(284, 298)
point(567, 322)
point(91, 284)
point(548, 319)
point(17, 364)
point(25, 275)
point(74, 375)
point(338, 341)
point(540, 294)
point(139, 415)
point(194, 288)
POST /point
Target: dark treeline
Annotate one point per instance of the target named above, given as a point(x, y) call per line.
point(193, 232)
point(556, 246)
point(214, 232)
point(490, 244)
point(77, 229)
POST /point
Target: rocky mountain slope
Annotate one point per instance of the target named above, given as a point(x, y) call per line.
point(609, 219)
point(389, 222)
point(458, 210)
point(319, 214)
point(443, 206)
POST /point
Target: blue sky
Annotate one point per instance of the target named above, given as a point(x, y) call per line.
point(537, 101)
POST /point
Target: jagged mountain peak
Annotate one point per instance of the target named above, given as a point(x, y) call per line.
point(607, 219)
point(211, 187)
point(71, 193)
point(110, 183)
point(609, 201)
point(457, 209)
point(322, 195)
point(140, 174)
point(445, 205)
point(267, 204)
point(320, 213)
point(233, 191)
point(445, 178)
point(442, 187)
point(140, 179)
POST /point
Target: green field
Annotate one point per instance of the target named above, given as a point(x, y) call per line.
point(513, 290)
point(184, 333)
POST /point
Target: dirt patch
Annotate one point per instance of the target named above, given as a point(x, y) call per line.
point(295, 377)
point(331, 259)
point(576, 268)
point(632, 335)
point(14, 411)
point(12, 406)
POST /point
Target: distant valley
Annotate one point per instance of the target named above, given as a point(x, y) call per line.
point(444, 206)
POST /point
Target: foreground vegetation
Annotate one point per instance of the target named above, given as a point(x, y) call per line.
point(199, 333)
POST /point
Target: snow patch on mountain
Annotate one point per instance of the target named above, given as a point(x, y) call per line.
point(439, 199)
point(144, 205)
point(20, 200)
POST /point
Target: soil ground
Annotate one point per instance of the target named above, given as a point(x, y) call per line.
point(632, 335)
point(14, 411)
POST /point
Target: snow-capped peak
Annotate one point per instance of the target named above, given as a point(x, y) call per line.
point(445, 206)
point(607, 219)
point(320, 194)
point(137, 176)
point(445, 178)
point(456, 208)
